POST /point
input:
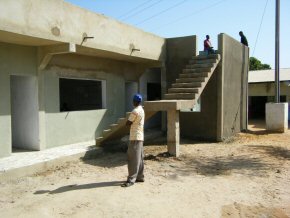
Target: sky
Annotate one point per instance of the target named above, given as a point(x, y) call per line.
point(175, 18)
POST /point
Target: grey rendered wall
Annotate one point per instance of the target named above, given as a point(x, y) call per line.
point(152, 75)
point(268, 89)
point(14, 60)
point(82, 126)
point(192, 124)
point(202, 125)
point(178, 52)
point(232, 80)
point(60, 21)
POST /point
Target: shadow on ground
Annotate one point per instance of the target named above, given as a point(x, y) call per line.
point(105, 159)
point(79, 187)
point(112, 155)
point(274, 151)
point(213, 166)
point(225, 165)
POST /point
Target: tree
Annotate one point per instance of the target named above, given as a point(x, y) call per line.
point(256, 64)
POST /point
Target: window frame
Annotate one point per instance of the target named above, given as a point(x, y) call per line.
point(103, 88)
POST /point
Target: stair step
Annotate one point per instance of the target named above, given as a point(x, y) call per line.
point(179, 96)
point(202, 61)
point(193, 75)
point(99, 139)
point(112, 126)
point(211, 56)
point(189, 80)
point(106, 132)
point(197, 70)
point(120, 120)
point(182, 90)
point(186, 85)
point(194, 66)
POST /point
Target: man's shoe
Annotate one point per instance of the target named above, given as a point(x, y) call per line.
point(140, 180)
point(127, 184)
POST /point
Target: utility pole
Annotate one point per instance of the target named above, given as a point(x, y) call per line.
point(277, 53)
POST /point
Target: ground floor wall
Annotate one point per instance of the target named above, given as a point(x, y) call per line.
point(55, 126)
point(15, 60)
point(150, 89)
point(79, 126)
point(261, 93)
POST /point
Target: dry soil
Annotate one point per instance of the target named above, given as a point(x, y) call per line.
point(248, 176)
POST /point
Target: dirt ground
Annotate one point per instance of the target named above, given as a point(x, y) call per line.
point(248, 176)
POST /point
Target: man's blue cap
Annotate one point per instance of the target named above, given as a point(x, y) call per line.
point(137, 98)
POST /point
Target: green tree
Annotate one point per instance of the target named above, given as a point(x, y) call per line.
point(256, 64)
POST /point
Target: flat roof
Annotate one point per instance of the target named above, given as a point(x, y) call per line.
point(259, 76)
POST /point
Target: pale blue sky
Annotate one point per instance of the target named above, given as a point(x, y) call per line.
point(173, 18)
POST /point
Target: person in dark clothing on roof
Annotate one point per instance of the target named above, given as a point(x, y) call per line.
point(243, 38)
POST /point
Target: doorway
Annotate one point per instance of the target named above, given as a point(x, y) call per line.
point(24, 112)
point(131, 88)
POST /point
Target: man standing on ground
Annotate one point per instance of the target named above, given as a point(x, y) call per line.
point(135, 147)
point(243, 38)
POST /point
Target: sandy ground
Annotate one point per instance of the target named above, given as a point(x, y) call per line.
point(248, 176)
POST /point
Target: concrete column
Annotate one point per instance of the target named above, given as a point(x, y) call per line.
point(277, 117)
point(41, 101)
point(173, 132)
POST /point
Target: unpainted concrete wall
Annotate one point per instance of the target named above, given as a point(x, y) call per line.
point(232, 87)
point(152, 75)
point(59, 21)
point(203, 124)
point(178, 52)
point(14, 60)
point(267, 89)
point(81, 126)
point(192, 124)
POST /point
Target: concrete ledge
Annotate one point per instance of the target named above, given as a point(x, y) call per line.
point(29, 163)
point(167, 105)
point(277, 117)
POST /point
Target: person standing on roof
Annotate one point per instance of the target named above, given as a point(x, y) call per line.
point(135, 148)
point(243, 38)
point(207, 45)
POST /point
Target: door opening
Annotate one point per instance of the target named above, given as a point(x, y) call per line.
point(24, 113)
point(131, 88)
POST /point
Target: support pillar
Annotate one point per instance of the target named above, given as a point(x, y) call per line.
point(277, 117)
point(173, 132)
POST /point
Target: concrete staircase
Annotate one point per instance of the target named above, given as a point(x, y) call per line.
point(182, 95)
point(118, 129)
point(193, 78)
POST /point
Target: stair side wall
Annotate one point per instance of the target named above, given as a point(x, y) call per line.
point(178, 52)
point(203, 124)
point(232, 89)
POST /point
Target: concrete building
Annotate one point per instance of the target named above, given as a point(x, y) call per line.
point(262, 90)
point(60, 86)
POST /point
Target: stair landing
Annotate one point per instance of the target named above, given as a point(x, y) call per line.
point(167, 105)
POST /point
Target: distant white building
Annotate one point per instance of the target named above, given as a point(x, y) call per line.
point(262, 90)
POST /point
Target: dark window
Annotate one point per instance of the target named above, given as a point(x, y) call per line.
point(257, 105)
point(78, 95)
point(153, 91)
